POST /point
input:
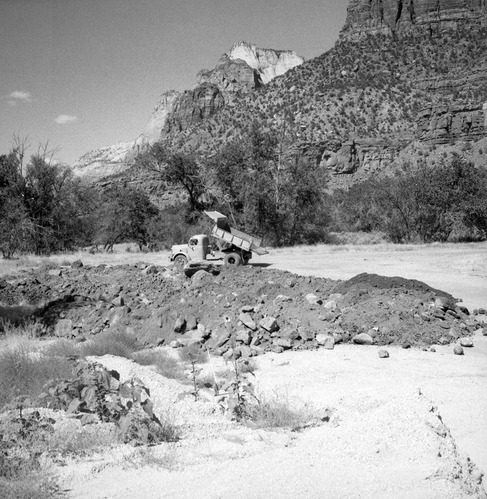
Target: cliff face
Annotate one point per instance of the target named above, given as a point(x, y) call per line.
point(399, 16)
point(243, 69)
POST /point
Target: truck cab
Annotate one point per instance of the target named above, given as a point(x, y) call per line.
point(198, 248)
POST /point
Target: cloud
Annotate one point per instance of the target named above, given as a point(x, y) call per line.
point(65, 119)
point(19, 96)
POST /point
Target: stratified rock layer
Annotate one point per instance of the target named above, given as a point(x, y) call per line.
point(396, 16)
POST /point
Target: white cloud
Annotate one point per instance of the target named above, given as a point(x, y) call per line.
point(65, 119)
point(20, 96)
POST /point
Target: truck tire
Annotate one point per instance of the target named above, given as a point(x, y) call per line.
point(180, 261)
point(232, 260)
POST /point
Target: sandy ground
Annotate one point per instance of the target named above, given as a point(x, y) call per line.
point(402, 427)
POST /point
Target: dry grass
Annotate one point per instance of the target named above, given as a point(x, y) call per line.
point(33, 486)
point(276, 411)
point(120, 256)
point(166, 365)
point(25, 372)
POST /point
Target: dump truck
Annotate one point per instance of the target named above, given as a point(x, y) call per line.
point(234, 246)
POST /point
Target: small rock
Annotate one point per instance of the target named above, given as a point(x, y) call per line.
point(118, 301)
point(305, 334)
point(284, 343)
point(200, 276)
point(247, 321)
point(245, 351)
point(246, 309)
point(325, 340)
point(313, 299)
point(406, 344)
point(77, 264)
point(463, 309)
point(444, 303)
point(443, 341)
point(372, 333)
point(433, 349)
point(282, 298)
point(383, 354)
point(363, 339)
point(277, 349)
point(179, 325)
point(174, 344)
point(482, 311)
point(331, 305)
point(191, 323)
point(466, 342)
point(269, 324)
point(458, 350)
point(151, 269)
point(228, 354)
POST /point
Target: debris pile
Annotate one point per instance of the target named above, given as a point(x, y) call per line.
point(247, 310)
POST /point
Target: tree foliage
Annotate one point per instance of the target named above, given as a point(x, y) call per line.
point(424, 204)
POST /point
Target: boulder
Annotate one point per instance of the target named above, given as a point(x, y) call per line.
point(194, 266)
point(363, 339)
point(444, 303)
point(246, 319)
point(383, 354)
point(458, 350)
point(466, 342)
point(243, 336)
point(325, 340)
point(180, 325)
point(269, 324)
point(118, 301)
point(312, 299)
point(77, 264)
point(331, 305)
point(284, 343)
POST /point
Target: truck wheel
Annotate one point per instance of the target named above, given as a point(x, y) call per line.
point(180, 261)
point(232, 260)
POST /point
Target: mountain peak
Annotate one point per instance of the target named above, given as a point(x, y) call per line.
point(269, 63)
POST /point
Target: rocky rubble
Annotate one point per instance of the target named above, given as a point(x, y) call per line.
point(246, 310)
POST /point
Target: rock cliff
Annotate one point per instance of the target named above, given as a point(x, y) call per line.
point(402, 16)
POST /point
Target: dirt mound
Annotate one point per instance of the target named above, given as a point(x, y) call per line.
point(250, 309)
point(368, 281)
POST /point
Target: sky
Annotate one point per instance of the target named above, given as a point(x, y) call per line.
point(83, 74)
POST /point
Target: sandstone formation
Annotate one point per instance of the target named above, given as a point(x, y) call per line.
point(399, 16)
point(243, 69)
point(194, 106)
point(102, 162)
point(442, 124)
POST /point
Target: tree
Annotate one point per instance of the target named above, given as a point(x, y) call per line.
point(125, 214)
point(178, 169)
point(15, 226)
